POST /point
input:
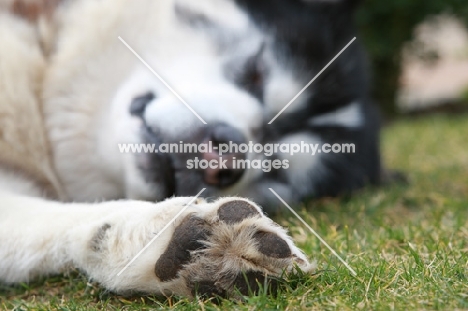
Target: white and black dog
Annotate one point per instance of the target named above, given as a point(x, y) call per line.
point(71, 93)
point(269, 60)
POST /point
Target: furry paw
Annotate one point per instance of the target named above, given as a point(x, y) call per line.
point(226, 247)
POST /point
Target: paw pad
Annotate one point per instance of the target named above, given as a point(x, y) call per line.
point(246, 283)
point(271, 245)
point(187, 237)
point(250, 282)
point(236, 211)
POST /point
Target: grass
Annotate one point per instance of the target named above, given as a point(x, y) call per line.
point(408, 243)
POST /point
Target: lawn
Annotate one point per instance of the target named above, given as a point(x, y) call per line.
point(407, 242)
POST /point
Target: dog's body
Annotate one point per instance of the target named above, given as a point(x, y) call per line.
point(71, 92)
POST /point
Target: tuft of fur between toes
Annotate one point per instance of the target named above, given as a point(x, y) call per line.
point(234, 250)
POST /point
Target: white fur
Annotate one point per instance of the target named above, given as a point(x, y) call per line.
point(303, 167)
point(282, 86)
point(222, 12)
point(40, 237)
point(185, 58)
point(14, 182)
point(85, 93)
point(350, 116)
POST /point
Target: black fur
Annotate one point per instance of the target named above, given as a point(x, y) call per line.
point(306, 36)
point(311, 34)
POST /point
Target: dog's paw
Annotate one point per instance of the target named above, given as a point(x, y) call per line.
point(220, 248)
point(226, 247)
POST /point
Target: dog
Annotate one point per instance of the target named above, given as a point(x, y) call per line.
point(81, 78)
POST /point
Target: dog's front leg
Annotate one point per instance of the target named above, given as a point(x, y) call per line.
point(211, 248)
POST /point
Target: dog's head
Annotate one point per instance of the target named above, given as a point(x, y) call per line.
point(216, 72)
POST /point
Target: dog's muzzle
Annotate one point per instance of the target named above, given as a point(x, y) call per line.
point(217, 170)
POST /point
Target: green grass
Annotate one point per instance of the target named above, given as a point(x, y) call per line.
point(408, 243)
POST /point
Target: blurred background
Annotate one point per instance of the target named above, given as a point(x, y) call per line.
point(419, 53)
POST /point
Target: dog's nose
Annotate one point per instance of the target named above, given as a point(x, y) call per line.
point(228, 171)
point(139, 103)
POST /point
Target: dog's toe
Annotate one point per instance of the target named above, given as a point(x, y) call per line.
point(236, 211)
point(249, 282)
point(269, 244)
point(187, 237)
